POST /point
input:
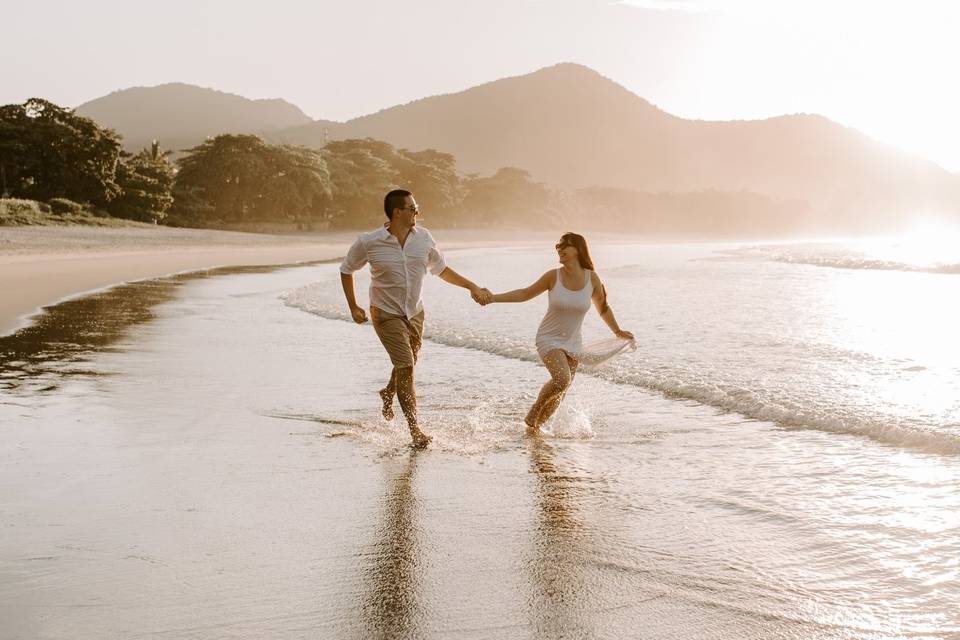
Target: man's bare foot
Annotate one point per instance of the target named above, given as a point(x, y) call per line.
point(532, 430)
point(420, 439)
point(387, 399)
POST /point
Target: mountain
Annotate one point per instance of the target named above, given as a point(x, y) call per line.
point(182, 115)
point(572, 127)
point(533, 121)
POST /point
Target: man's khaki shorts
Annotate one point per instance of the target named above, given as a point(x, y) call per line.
point(400, 337)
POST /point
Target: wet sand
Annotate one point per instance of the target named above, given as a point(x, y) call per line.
point(171, 469)
point(41, 265)
point(191, 457)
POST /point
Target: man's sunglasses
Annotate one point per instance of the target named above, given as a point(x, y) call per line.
point(414, 209)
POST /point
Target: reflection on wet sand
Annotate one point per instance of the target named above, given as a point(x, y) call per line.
point(557, 566)
point(391, 602)
point(63, 336)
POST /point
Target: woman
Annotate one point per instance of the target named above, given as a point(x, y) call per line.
point(559, 342)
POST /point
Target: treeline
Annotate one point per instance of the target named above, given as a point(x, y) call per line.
point(49, 154)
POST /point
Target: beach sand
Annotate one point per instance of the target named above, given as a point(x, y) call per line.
point(192, 458)
point(202, 456)
point(41, 265)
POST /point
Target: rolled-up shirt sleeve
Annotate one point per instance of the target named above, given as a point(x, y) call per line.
point(355, 259)
point(435, 262)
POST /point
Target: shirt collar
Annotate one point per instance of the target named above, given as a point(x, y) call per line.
point(384, 231)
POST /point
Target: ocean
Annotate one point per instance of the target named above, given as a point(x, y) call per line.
point(202, 456)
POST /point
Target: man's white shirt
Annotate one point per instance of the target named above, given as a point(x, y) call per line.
point(396, 282)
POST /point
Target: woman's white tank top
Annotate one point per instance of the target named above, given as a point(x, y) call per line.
point(561, 327)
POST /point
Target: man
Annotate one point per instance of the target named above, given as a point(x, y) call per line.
point(400, 253)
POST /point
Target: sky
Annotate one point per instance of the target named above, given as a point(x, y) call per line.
point(886, 67)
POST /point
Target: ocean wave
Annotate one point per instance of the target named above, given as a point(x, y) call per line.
point(792, 413)
point(311, 299)
point(858, 262)
point(757, 404)
point(834, 257)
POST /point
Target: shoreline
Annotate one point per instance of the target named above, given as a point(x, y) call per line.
point(42, 266)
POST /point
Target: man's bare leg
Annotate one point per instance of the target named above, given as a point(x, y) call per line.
point(386, 395)
point(551, 392)
point(389, 391)
point(407, 395)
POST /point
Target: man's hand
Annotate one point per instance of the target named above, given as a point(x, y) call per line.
point(483, 296)
point(359, 315)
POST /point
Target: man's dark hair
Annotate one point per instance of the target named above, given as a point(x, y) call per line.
point(395, 200)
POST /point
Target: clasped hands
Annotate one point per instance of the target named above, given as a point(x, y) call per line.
point(482, 296)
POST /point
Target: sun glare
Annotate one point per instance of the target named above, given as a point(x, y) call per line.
point(929, 243)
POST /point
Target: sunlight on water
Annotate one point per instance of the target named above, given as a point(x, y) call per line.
point(907, 320)
point(775, 460)
point(926, 244)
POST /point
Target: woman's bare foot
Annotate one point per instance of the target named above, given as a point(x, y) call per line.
point(387, 399)
point(420, 439)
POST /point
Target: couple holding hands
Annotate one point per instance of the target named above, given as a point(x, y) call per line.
point(400, 253)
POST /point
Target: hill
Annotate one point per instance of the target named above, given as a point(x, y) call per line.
point(182, 115)
point(573, 128)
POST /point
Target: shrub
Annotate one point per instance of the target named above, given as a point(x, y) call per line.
point(14, 211)
point(62, 205)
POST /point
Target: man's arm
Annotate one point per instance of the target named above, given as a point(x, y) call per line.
point(355, 259)
point(359, 315)
point(481, 295)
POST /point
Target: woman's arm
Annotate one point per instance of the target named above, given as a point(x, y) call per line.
point(522, 295)
point(606, 313)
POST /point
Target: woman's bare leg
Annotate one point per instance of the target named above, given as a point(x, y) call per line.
point(551, 405)
point(560, 377)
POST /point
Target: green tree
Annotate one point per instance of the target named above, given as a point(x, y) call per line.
point(146, 183)
point(363, 171)
point(240, 178)
point(432, 177)
point(301, 190)
point(47, 151)
point(507, 197)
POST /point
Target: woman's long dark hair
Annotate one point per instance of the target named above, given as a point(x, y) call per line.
point(580, 243)
point(583, 257)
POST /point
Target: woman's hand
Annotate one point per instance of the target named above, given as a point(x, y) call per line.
point(481, 296)
point(626, 335)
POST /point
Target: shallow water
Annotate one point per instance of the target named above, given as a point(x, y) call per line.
point(210, 462)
